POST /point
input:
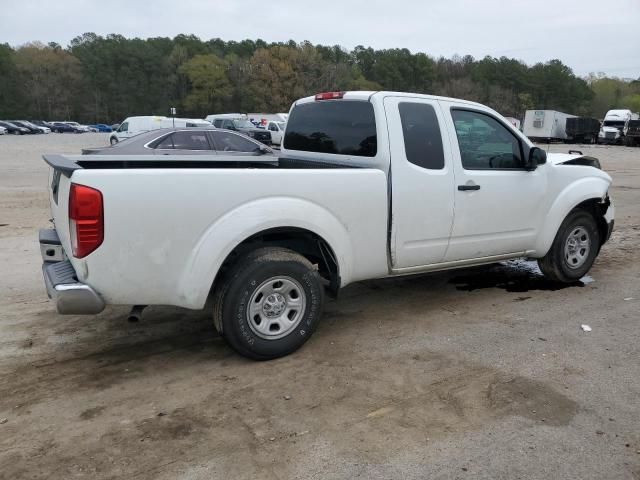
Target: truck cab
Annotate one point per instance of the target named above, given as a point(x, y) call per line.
point(612, 130)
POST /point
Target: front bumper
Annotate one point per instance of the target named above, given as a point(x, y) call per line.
point(609, 230)
point(71, 296)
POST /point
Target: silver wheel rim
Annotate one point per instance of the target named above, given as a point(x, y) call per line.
point(276, 307)
point(577, 247)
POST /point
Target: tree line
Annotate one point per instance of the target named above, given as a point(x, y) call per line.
point(98, 79)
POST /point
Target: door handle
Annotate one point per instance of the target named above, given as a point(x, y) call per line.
point(464, 188)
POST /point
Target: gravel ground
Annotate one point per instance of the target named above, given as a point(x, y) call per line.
point(480, 373)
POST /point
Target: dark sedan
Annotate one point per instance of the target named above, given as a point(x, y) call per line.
point(32, 128)
point(188, 141)
point(14, 129)
point(60, 127)
point(42, 123)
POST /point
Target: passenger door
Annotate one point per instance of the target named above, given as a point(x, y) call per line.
point(421, 182)
point(498, 203)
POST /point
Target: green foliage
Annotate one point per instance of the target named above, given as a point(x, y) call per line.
point(106, 78)
point(210, 87)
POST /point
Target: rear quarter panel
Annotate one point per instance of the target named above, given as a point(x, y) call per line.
point(168, 231)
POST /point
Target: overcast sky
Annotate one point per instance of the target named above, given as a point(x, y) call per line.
point(587, 35)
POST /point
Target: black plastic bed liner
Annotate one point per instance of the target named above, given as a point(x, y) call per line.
point(68, 164)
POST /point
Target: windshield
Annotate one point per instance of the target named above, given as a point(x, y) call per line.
point(613, 123)
point(243, 124)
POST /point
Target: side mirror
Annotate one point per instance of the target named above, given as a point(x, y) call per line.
point(537, 156)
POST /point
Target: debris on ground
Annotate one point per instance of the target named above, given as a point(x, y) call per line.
point(3, 421)
point(585, 328)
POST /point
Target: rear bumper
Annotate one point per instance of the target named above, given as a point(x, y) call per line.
point(71, 296)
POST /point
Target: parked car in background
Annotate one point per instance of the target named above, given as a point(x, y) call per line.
point(62, 127)
point(132, 126)
point(42, 123)
point(3, 131)
point(260, 120)
point(78, 126)
point(276, 129)
point(101, 127)
point(184, 141)
point(242, 125)
point(31, 129)
point(265, 237)
point(42, 128)
point(14, 129)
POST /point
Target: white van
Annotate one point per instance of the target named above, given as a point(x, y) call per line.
point(225, 116)
point(134, 125)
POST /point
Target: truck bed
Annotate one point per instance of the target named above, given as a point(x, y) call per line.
point(67, 164)
point(170, 222)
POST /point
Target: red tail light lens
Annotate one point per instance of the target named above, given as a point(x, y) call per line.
point(329, 95)
point(86, 219)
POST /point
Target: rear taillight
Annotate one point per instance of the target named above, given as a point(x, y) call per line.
point(86, 219)
point(329, 95)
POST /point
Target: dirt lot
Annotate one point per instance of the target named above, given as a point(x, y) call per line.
point(481, 373)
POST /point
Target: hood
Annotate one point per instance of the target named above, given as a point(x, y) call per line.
point(573, 159)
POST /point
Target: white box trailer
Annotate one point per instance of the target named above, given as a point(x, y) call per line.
point(545, 125)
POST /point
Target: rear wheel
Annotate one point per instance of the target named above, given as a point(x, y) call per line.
point(113, 140)
point(269, 304)
point(573, 250)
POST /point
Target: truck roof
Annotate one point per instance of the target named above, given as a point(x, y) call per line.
point(366, 95)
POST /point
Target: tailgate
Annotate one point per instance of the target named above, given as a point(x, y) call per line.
point(59, 185)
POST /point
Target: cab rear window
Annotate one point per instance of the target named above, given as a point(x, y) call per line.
point(343, 127)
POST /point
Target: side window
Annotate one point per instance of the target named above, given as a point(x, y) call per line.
point(228, 124)
point(485, 143)
point(422, 138)
point(190, 141)
point(164, 143)
point(217, 123)
point(124, 127)
point(230, 142)
point(273, 127)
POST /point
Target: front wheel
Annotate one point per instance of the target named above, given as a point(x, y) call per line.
point(573, 250)
point(269, 304)
point(113, 140)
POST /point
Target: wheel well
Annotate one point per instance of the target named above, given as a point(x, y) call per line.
point(308, 244)
point(597, 208)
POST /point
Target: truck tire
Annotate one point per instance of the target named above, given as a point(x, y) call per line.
point(269, 303)
point(113, 140)
point(573, 250)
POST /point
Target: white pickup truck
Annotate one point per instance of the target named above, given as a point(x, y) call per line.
point(367, 185)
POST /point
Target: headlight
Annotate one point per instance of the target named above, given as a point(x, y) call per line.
point(251, 134)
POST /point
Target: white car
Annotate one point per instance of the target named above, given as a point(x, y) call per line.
point(368, 185)
point(277, 131)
